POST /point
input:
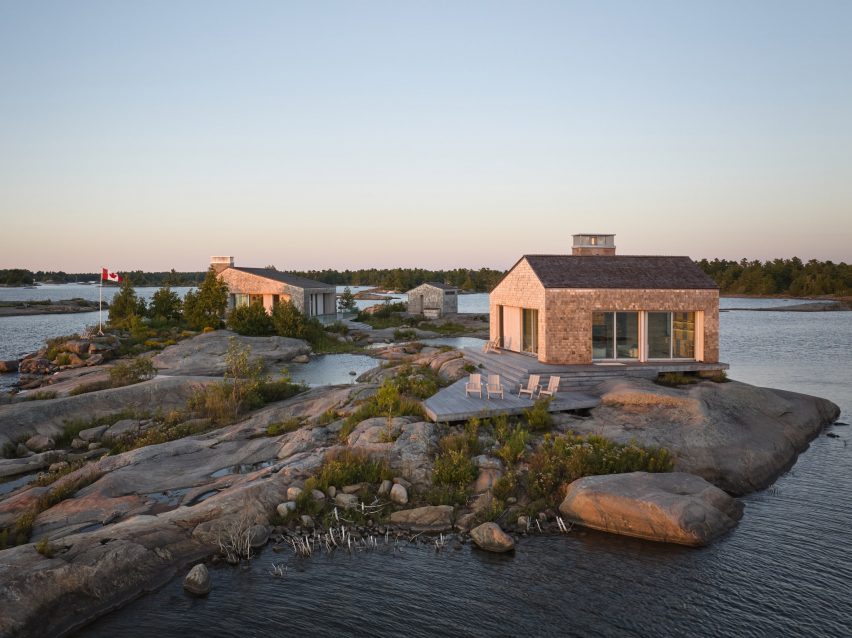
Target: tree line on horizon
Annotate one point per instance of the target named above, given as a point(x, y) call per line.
point(745, 277)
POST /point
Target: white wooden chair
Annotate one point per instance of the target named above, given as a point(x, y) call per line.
point(532, 386)
point(492, 346)
point(552, 387)
point(494, 386)
point(474, 384)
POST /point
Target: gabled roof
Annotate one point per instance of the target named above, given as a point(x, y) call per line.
point(435, 284)
point(283, 277)
point(619, 271)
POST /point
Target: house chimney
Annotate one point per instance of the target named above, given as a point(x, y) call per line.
point(221, 263)
point(593, 244)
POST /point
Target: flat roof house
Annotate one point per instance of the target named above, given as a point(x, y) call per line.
point(594, 306)
point(433, 299)
point(270, 287)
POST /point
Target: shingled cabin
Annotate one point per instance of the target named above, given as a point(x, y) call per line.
point(433, 300)
point(594, 306)
point(270, 287)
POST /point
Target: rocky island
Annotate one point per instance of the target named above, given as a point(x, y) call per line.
point(116, 490)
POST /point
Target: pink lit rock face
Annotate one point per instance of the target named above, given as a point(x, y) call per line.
point(672, 507)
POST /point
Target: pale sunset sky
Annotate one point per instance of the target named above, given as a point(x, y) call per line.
point(318, 134)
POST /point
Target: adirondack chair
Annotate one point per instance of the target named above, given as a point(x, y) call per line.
point(532, 386)
point(552, 387)
point(474, 384)
point(494, 386)
point(492, 346)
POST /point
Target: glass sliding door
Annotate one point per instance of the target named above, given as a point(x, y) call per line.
point(603, 335)
point(615, 335)
point(659, 335)
point(626, 335)
point(683, 331)
point(530, 331)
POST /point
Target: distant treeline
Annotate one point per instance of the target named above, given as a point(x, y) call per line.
point(403, 279)
point(780, 277)
point(22, 277)
point(777, 277)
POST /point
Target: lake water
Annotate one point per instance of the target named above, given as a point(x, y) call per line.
point(786, 570)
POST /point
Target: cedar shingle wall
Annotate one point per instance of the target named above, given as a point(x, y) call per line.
point(569, 317)
point(520, 288)
point(565, 316)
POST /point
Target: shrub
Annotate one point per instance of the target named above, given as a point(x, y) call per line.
point(44, 548)
point(251, 320)
point(562, 459)
point(329, 416)
point(387, 398)
point(91, 386)
point(163, 433)
point(132, 371)
point(513, 446)
point(165, 305)
point(47, 478)
point(283, 427)
point(505, 486)
point(420, 381)
point(674, 379)
point(62, 359)
point(447, 495)
point(538, 417)
point(454, 468)
point(719, 376)
point(42, 395)
point(125, 306)
point(204, 308)
point(403, 335)
point(347, 467)
point(72, 427)
point(287, 321)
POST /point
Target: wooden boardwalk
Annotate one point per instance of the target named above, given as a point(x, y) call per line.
point(451, 403)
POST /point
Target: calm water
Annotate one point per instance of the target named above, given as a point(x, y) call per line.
point(785, 571)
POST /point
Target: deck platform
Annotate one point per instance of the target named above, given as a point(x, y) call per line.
point(451, 404)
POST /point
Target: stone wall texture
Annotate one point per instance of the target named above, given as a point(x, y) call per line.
point(433, 298)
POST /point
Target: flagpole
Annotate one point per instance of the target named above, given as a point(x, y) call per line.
point(100, 304)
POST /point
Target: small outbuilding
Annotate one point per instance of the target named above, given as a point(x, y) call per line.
point(433, 300)
point(270, 287)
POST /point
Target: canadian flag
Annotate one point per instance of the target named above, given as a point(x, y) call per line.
point(106, 275)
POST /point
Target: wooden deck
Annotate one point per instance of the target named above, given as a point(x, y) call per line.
point(451, 403)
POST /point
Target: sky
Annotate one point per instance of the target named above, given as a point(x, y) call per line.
point(318, 134)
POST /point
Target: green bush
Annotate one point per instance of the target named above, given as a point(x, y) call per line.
point(420, 382)
point(454, 468)
point(348, 467)
point(62, 359)
point(125, 307)
point(538, 417)
point(514, 446)
point(205, 307)
point(72, 427)
point(132, 371)
point(251, 320)
point(44, 548)
point(674, 379)
point(562, 459)
point(447, 495)
point(283, 427)
point(166, 305)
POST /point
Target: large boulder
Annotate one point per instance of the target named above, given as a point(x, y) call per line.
point(670, 507)
point(737, 436)
point(491, 538)
point(204, 355)
point(40, 443)
point(430, 518)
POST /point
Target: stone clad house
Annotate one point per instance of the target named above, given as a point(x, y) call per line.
point(594, 306)
point(433, 300)
point(270, 287)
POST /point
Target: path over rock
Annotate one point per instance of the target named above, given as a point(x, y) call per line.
point(671, 507)
point(204, 355)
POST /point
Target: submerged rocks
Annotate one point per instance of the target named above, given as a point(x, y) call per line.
point(670, 507)
point(430, 518)
point(198, 582)
point(491, 538)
